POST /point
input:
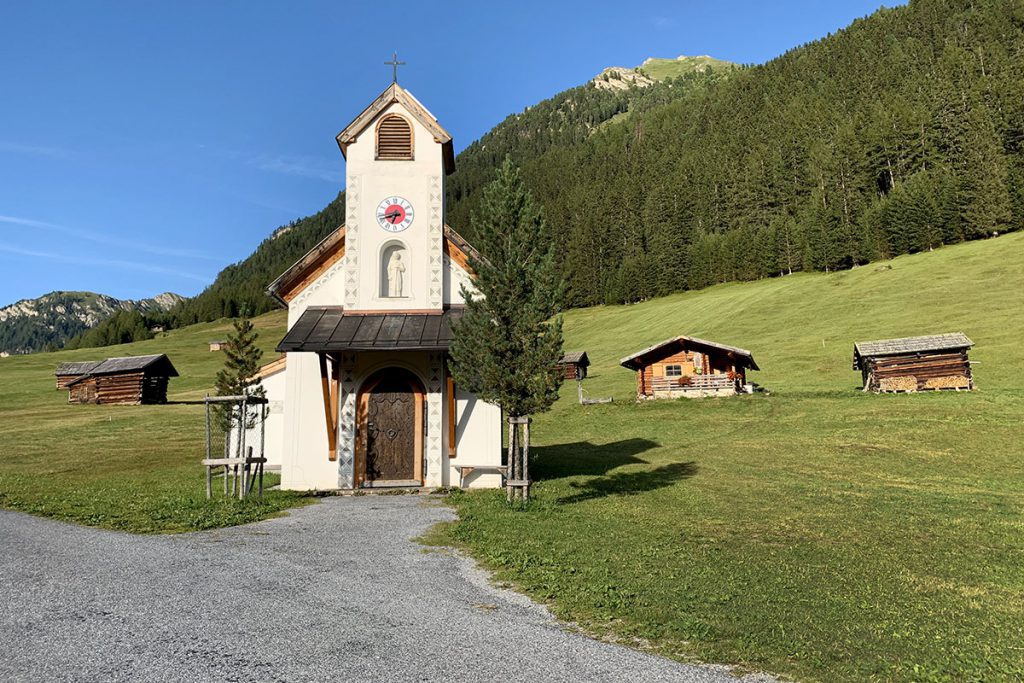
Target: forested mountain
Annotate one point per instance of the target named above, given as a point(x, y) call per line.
point(49, 321)
point(242, 286)
point(902, 132)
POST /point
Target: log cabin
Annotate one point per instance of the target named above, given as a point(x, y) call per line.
point(689, 367)
point(68, 372)
point(574, 365)
point(135, 380)
point(908, 364)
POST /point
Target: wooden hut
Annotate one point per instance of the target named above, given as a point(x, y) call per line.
point(691, 367)
point(574, 365)
point(68, 372)
point(217, 345)
point(915, 363)
point(129, 381)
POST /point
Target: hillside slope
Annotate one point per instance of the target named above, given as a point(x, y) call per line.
point(817, 532)
point(50, 320)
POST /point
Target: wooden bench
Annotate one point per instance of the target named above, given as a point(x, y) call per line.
point(466, 470)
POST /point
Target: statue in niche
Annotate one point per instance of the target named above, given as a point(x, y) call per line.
point(396, 274)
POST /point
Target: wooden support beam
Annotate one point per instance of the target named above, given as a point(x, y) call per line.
point(330, 417)
point(452, 417)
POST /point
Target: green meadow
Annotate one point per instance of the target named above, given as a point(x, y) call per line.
point(813, 530)
point(133, 468)
point(810, 530)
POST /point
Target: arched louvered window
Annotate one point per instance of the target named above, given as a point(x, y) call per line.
point(394, 138)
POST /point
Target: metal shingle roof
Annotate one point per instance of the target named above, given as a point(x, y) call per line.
point(329, 328)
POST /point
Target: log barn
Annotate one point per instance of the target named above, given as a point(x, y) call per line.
point(689, 367)
point(134, 380)
point(68, 372)
point(574, 365)
point(908, 364)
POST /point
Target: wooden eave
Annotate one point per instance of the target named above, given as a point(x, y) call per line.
point(331, 249)
point(392, 94)
point(272, 368)
point(650, 355)
point(315, 263)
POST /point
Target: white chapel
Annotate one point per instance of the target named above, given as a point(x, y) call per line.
point(363, 397)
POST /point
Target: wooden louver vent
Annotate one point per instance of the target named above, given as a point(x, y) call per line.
point(394, 138)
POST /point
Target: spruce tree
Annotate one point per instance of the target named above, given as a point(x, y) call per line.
point(238, 376)
point(506, 345)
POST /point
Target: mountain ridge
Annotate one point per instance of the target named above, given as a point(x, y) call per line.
point(52, 319)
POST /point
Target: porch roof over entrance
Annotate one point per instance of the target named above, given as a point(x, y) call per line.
point(330, 328)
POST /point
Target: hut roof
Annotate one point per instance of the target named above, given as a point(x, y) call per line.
point(114, 366)
point(77, 368)
point(576, 357)
point(951, 341)
point(641, 358)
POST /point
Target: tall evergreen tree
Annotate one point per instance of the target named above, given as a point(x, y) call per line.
point(507, 343)
point(238, 376)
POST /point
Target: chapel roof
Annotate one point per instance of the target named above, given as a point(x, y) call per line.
point(392, 94)
point(330, 250)
point(331, 328)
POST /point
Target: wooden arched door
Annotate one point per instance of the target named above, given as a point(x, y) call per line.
point(391, 428)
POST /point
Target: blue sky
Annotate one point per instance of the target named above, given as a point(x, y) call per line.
point(145, 145)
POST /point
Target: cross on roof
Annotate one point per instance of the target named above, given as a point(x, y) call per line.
point(394, 64)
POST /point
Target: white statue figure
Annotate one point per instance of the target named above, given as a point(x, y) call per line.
point(396, 275)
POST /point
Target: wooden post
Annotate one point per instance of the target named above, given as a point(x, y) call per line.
point(511, 472)
point(243, 415)
point(579, 389)
point(209, 469)
point(526, 459)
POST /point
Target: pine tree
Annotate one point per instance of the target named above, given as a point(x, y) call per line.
point(507, 343)
point(238, 376)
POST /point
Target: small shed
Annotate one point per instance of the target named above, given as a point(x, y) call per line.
point(217, 345)
point(690, 367)
point(133, 380)
point(68, 372)
point(908, 364)
point(574, 365)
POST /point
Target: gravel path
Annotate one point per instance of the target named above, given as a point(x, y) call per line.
point(334, 591)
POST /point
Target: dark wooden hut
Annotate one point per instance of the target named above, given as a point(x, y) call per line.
point(927, 363)
point(129, 381)
point(574, 365)
point(688, 366)
point(68, 372)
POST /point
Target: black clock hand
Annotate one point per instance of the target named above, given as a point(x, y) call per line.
point(393, 214)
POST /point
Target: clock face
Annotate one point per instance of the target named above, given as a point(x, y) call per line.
point(394, 214)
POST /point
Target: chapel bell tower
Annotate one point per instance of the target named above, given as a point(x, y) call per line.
point(397, 156)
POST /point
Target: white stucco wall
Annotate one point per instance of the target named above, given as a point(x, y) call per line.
point(273, 386)
point(307, 465)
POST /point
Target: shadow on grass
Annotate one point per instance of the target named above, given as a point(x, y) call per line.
point(630, 483)
point(583, 457)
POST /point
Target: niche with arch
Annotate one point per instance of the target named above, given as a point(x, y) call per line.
point(394, 274)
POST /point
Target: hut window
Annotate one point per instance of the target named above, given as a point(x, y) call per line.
point(394, 138)
point(673, 370)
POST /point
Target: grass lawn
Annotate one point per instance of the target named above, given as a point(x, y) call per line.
point(134, 468)
point(816, 532)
